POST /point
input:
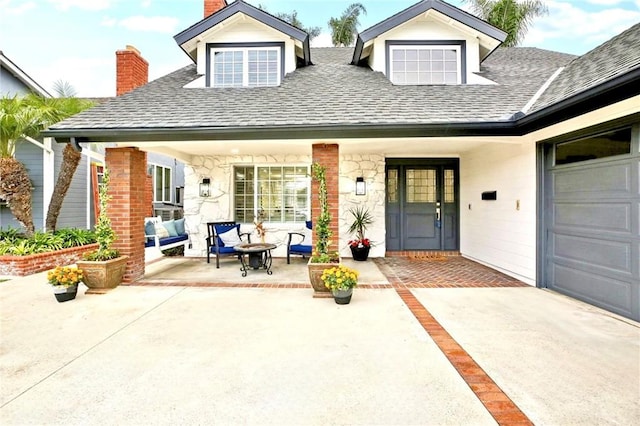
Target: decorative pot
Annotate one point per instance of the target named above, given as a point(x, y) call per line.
point(342, 297)
point(360, 253)
point(64, 294)
point(102, 276)
point(315, 276)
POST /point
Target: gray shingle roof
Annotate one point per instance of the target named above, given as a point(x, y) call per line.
point(611, 59)
point(331, 92)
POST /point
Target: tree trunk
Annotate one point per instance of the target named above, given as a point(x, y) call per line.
point(70, 160)
point(15, 188)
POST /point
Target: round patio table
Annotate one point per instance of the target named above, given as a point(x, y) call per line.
point(259, 256)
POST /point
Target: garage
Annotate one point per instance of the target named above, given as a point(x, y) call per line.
point(590, 228)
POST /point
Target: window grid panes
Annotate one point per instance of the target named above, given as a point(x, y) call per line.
point(244, 194)
point(263, 68)
point(600, 146)
point(280, 192)
point(161, 183)
point(421, 185)
point(415, 65)
point(250, 67)
point(392, 185)
point(449, 185)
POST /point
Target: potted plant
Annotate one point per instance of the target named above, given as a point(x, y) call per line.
point(64, 280)
point(104, 267)
point(321, 258)
point(360, 246)
point(340, 280)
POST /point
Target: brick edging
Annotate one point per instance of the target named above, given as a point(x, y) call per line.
point(32, 264)
point(499, 405)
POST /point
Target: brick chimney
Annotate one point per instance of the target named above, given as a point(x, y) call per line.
point(212, 6)
point(132, 70)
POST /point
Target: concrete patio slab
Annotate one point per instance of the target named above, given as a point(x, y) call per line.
point(174, 355)
point(560, 360)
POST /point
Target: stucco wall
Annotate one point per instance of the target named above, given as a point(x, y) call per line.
point(498, 233)
point(198, 211)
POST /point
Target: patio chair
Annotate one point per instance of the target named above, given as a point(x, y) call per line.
point(222, 237)
point(304, 246)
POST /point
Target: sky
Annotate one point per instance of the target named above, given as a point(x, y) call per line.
point(75, 40)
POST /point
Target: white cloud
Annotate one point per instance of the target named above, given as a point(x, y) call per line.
point(145, 3)
point(12, 8)
point(81, 4)
point(605, 2)
point(160, 24)
point(589, 26)
point(90, 77)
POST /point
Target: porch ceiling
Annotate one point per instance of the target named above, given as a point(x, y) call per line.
point(397, 147)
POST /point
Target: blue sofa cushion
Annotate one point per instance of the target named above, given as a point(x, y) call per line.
point(299, 248)
point(149, 228)
point(167, 240)
point(180, 226)
point(170, 226)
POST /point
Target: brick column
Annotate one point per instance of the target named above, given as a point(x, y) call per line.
point(328, 156)
point(127, 208)
point(148, 199)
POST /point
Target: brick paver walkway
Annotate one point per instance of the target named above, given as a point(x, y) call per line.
point(448, 271)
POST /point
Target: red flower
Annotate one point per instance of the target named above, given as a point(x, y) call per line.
point(360, 243)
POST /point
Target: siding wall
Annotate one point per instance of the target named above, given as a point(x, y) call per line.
point(74, 206)
point(9, 85)
point(31, 156)
point(497, 233)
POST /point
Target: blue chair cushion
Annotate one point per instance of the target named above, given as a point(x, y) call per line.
point(223, 250)
point(221, 229)
point(299, 248)
point(308, 224)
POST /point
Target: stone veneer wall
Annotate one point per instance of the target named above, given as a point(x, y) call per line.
point(198, 211)
point(371, 167)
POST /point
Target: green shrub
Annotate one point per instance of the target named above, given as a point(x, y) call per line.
point(13, 243)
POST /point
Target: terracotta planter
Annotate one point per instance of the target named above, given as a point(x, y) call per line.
point(315, 274)
point(101, 277)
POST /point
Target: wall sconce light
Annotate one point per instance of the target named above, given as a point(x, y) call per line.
point(205, 187)
point(361, 186)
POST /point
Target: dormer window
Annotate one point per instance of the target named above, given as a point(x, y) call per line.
point(419, 63)
point(245, 65)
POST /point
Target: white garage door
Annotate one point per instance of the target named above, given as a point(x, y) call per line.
point(592, 219)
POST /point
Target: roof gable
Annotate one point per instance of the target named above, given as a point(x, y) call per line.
point(16, 71)
point(424, 7)
point(185, 38)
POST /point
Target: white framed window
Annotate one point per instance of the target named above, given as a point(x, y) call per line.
point(245, 66)
point(162, 178)
point(281, 193)
point(425, 64)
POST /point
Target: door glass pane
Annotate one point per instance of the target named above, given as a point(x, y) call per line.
point(421, 185)
point(449, 185)
point(600, 146)
point(392, 186)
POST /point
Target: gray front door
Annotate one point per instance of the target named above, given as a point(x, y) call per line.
point(592, 220)
point(422, 208)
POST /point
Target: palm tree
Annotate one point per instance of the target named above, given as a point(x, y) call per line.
point(511, 16)
point(292, 18)
point(345, 28)
point(71, 105)
point(22, 117)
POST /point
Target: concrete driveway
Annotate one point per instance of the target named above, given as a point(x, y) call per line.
point(223, 355)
